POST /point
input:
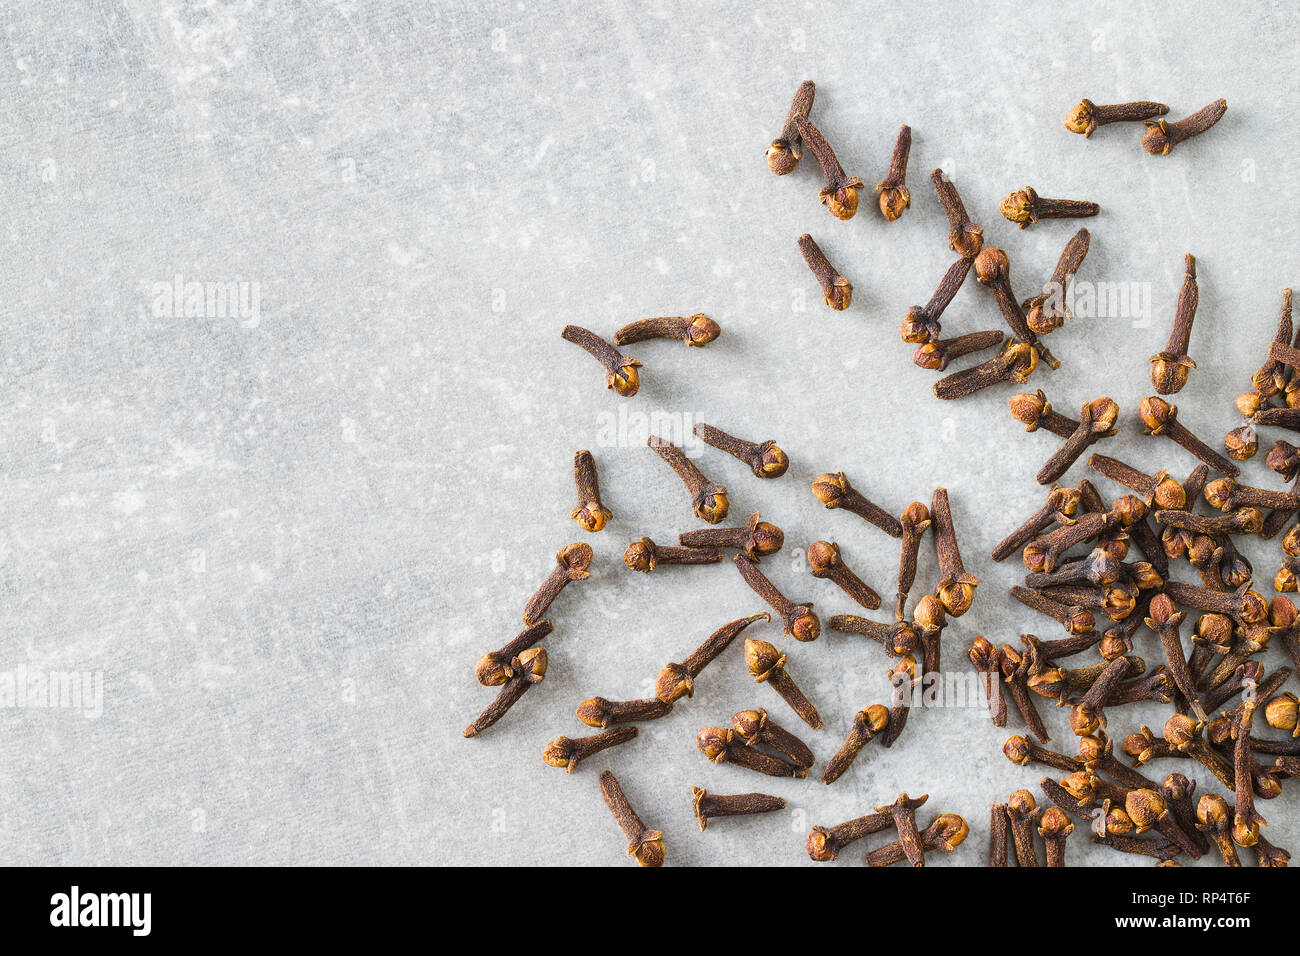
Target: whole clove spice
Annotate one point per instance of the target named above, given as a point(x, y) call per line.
point(993, 269)
point(898, 639)
point(1047, 311)
point(1161, 418)
point(922, 322)
point(931, 618)
point(1288, 418)
point(1162, 136)
point(903, 679)
point(787, 149)
point(719, 745)
point(825, 562)
point(837, 291)
point(1015, 674)
point(1075, 619)
point(1241, 521)
point(1087, 116)
point(840, 194)
point(599, 712)
point(945, 833)
point(643, 844)
point(1243, 605)
point(1088, 715)
point(494, 668)
point(998, 834)
point(1023, 812)
point(798, 620)
point(767, 665)
point(1096, 421)
point(709, 805)
point(1060, 506)
point(573, 561)
point(622, 375)
point(903, 811)
point(590, 514)
point(964, 237)
point(894, 197)
point(1054, 826)
point(645, 556)
point(1164, 620)
point(1014, 364)
point(1178, 792)
point(765, 459)
point(1241, 443)
point(825, 844)
point(834, 491)
point(956, 587)
point(696, 330)
point(676, 681)
point(1269, 379)
point(1158, 490)
point(867, 724)
point(1245, 821)
point(567, 753)
point(1022, 751)
point(938, 353)
point(987, 659)
point(1183, 734)
point(528, 668)
point(1025, 208)
point(756, 727)
point(914, 520)
point(708, 500)
point(1169, 368)
point(1034, 411)
point(756, 539)
point(1227, 494)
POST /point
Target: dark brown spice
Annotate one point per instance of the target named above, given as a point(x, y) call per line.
point(1025, 207)
point(938, 353)
point(787, 149)
point(840, 194)
point(945, 833)
point(756, 539)
point(998, 834)
point(1158, 490)
point(767, 665)
point(645, 556)
point(1054, 826)
point(837, 291)
point(494, 669)
point(696, 330)
point(1169, 368)
point(590, 514)
point(599, 712)
point(956, 587)
point(1014, 364)
point(987, 659)
point(824, 844)
point(1162, 136)
point(1015, 674)
point(1075, 619)
point(719, 745)
point(756, 727)
point(622, 375)
point(1047, 311)
point(765, 459)
point(1269, 378)
point(1243, 605)
point(903, 811)
point(1022, 751)
point(1241, 443)
point(993, 269)
point(922, 322)
point(676, 681)
point(1023, 812)
point(1034, 411)
point(798, 620)
point(1288, 418)
point(1161, 418)
point(1245, 821)
point(825, 562)
point(1087, 116)
point(573, 561)
point(894, 197)
point(708, 500)
point(914, 520)
point(1164, 619)
point(1241, 521)
point(1060, 506)
point(1183, 734)
point(867, 724)
point(834, 491)
point(528, 668)
point(903, 679)
point(1178, 792)
point(1227, 494)
point(567, 753)
point(964, 237)
point(644, 844)
point(898, 639)
point(1088, 715)
point(1096, 421)
point(708, 805)
point(1096, 752)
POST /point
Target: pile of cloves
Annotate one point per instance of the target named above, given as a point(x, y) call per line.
point(1077, 548)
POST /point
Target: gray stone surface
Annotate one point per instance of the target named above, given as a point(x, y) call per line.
point(280, 536)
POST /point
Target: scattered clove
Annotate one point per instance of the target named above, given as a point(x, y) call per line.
point(1096, 421)
point(798, 620)
point(765, 459)
point(708, 805)
point(956, 588)
point(1169, 368)
point(937, 353)
point(708, 500)
point(528, 668)
point(676, 681)
point(1054, 826)
point(837, 291)
point(1161, 418)
point(573, 561)
point(599, 712)
point(766, 664)
point(1047, 311)
point(964, 237)
point(1162, 136)
point(922, 322)
point(1022, 811)
point(866, 725)
point(824, 844)
point(719, 745)
point(590, 514)
point(903, 811)
point(894, 197)
point(787, 149)
point(945, 833)
point(646, 845)
point(696, 330)
point(840, 194)
point(1087, 116)
point(645, 556)
point(834, 491)
point(825, 562)
point(623, 377)
point(756, 539)
point(567, 753)
point(756, 727)
point(494, 668)
point(1025, 207)
point(914, 520)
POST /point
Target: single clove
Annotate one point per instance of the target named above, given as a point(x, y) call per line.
point(719, 745)
point(1161, 418)
point(709, 805)
point(798, 620)
point(1022, 751)
point(573, 561)
point(824, 844)
point(1169, 368)
point(1245, 821)
point(528, 668)
point(1158, 490)
point(756, 727)
point(1087, 116)
point(922, 322)
point(590, 514)
point(756, 539)
point(1022, 810)
point(903, 679)
point(567, 752)
point(956, 587)
point(914, 520)
point(1015, 674)
point(676, 681)
point(867, 724)
point(825, 562)
point(1241, 521)
point(644, 844)
point(1075, 619)
point(1088, 715)
point(998, 834)
point(840, 194)
point(837, 291)
point(696, 330)
point(708, 500)
point(767, 665)
point(1162, 136)
point(1025, 207)
point(936, 354)
point(1164, 619)
point(1047, 311)
point(898, 639)
point(787, 149)
point(1014, 364)
point(622, 375)
point(987, 660)
point(494, 668)
point(964, 237)
point(765, 459)
point(1054, 826)
point(945, 833)
point(1060, 506)
point(903, 811)
point(993, 269)
point(894, 197)
point(645, 556)
point(1096, 421)
point(599, 712)
point(834, 491)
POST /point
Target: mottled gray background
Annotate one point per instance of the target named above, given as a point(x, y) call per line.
point(284, 539)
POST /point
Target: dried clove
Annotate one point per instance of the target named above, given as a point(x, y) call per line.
point(1245, 821)
point(945, 833)
point(840, 194)
point(573, 561)
point(1060, 506)
point(1034, 411)
point(1096, 752)
point(756, 539)
point(528, 668)
point(1183, 734)
point(1022, 751)
point(1288, 418)
point(1013, 364)
point(676, 681)
point(903, 811)
point(1087, 116)
point(708, 805)
point(798, 620)
point(1162, 136)
point(903, 679)
point(1243, 605)
point(998, 833)
point(837, 291)
point(1047, 311)
point(1015, 671)
point(622, 375)
point(1158, 490)
point(956, 587)
point(1022, 810)
point(824, 844)
point(1169, 368)
point(1241, 521)
point(1087, 716)
point(825, 562)
point(834, 491)
point(1227, 494)
point(494, 668)
point(756, 727)
point(1241, 443)
point(645, 556)
point(993, 269)
point(898, 639)
point(708, 500)
point(1025, 207)
point(931, 618)
point(1096, 421)
point(765, 459)
point(1161, 418)
point(696, 330)
point(1075, 619)
point(719, 745)
point(567, 752)
point(646, 845)
point(590, 514)
point(937, 353)
point(964, 237)
point(599, 712)
point(1054, 826)
point(867, 724)
point(1269, 379)
point(987, 659)
point(914, 520)
point(1164, 620)
point(787, 149)
point(767, 664)
point(1178, 792)
point(894, 197)
point(922, 322)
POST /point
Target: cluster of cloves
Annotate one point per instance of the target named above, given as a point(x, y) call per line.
point(1160, 137)
point(944, 833)
point(621, 373)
